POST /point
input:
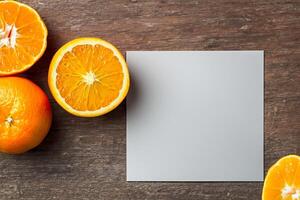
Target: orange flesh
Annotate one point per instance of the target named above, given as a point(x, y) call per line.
point(89, 77)
point(22, 37)
point(283, 180)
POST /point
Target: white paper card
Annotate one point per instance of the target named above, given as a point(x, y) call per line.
point(195, 116)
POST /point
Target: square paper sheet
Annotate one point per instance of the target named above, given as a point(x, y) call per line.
point(195, 116)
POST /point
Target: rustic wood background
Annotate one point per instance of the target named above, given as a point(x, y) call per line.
point(84, 158)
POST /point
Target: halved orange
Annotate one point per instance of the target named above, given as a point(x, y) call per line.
point(88, 77)
point(23, 37)
point(283, 180)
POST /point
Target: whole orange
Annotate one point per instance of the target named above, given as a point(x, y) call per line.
point(25, 115)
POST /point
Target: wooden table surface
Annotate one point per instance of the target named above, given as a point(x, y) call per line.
point(84, 158)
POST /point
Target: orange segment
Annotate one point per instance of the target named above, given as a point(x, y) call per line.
point(282, 180)
point(23, 37)
point(88, 77)
point(9, 11)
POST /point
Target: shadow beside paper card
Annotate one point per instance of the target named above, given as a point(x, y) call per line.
point(195, 116)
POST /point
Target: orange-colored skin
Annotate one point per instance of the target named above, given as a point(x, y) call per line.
point(25, 115)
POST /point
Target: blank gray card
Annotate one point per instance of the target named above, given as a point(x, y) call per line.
point(195, 116)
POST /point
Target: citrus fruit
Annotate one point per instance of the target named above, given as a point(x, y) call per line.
point(23, 37)
point(283, 180)
point(25, 115)
point(88, 77)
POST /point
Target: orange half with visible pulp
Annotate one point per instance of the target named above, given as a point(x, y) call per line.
point(23, 37)
point(88, 77)
point(283, 180)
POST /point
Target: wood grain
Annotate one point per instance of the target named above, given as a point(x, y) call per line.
point(85, 158)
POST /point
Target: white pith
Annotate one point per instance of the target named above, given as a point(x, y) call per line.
point(89, 78)
point(290, 191)
point(8, 36)
point(296, 195)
